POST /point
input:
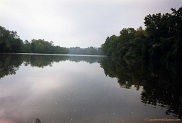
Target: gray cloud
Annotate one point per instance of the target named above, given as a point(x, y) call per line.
point(77, 22)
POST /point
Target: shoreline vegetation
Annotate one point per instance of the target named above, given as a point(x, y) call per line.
point(10, 42)
point(160, 40)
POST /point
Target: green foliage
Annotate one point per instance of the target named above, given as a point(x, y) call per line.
point(162, 39)
point(164, 34)
point(10, 41)
point(128, 44)
point(42, 46)
point(85, 51)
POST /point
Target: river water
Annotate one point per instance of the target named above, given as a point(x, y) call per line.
point(86, 89)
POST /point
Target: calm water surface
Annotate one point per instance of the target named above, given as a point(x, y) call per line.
point(83, 89)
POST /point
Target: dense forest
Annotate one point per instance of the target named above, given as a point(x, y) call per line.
point(161, 39)
point(10, 42)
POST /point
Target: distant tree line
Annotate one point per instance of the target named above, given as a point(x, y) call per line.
point(10, 42)
point(85, 51)
point(162, 39)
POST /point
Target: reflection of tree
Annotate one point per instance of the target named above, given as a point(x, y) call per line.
point(9, 63)
point(41, 60)
point(128, 74)
point(162, 87)
point(88, 59)
point(45, 60)
point(161, 82)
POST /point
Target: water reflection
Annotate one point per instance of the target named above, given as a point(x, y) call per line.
point(160, 81)
point(75, 89)
point(9, 63)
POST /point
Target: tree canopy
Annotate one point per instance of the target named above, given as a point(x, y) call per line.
point(161, 39)
point(10, 42)
point(85, 51)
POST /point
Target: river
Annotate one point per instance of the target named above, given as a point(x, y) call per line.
point(86, 89)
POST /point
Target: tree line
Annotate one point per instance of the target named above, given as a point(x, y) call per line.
point(161, 39)
point(10, 42)
point(85, 51)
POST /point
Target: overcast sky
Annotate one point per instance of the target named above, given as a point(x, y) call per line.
point(83, 23)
